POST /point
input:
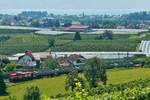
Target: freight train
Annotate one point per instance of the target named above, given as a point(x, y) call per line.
point(25, 76)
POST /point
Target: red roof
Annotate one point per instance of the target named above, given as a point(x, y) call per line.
point(76, 27)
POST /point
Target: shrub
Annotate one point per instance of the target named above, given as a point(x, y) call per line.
point(32, 93)
point(95, 71)
point(2, 85)
point(10, 67)
point(77, 36)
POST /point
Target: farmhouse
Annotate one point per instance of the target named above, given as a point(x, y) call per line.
point(72, 60)
point(37, 56)
point(77, 28)
point(27, 60)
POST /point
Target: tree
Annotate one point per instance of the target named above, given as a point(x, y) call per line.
point(71, 79)
point(108, 35)
point(80, 93)
point(10, 67)
point(3, 62)
point(35, 24)
point(67, 23)
point(12, 98)
point(2, 85)
point(57, 23)
point(77, 36)
point(50, 63)
point(95, 71)
point(6, 61)
point(32, 93)
point(51, 42)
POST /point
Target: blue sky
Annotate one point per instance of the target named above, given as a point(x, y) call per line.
point(75, 4)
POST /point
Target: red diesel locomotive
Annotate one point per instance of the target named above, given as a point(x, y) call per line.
point(20, 76)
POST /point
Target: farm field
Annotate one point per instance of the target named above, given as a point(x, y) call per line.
point(90, 43)
point(21, 43)
point(4, 31)
point(21, 40)
point(55, 86)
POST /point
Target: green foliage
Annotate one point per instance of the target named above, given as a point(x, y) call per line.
point(4, 38)
point(143, 62)
point(37, 43)
point(3, 61)
point(21, 43)
point(51, 42)
point(134, 90)
point(49, 63)
point(129, 94)
point(32, 93)
point(147, 62)
point(107, 35)
point(77, 36)
point(10, 67)
point(79, 93)
point(71, 79)
point(44, 97)
point(15, 31)
point(120, 42)
point(95, 71)
point(56, 85)
point(12, 98)
point(100, 90)
point(35, 24)
point(139, 56)
point(2, 85)
point(98, 45)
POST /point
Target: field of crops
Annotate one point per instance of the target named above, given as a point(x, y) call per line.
point(21, 40)
point(96, 45)
point(55, 86)
point(20, 43)
point(15, 31)
point(89, 43)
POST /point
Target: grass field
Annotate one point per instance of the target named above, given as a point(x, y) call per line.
point(54, 86)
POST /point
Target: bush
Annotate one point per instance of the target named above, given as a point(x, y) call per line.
point(2, 85)
point(49, 63)
point(11, 98)
point(77, 36)
point(107, 35)
point(95, 71)
point(10, 67)
point(32, 93)
point(51, 42)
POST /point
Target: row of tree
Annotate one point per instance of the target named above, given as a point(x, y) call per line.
point(106, 35)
